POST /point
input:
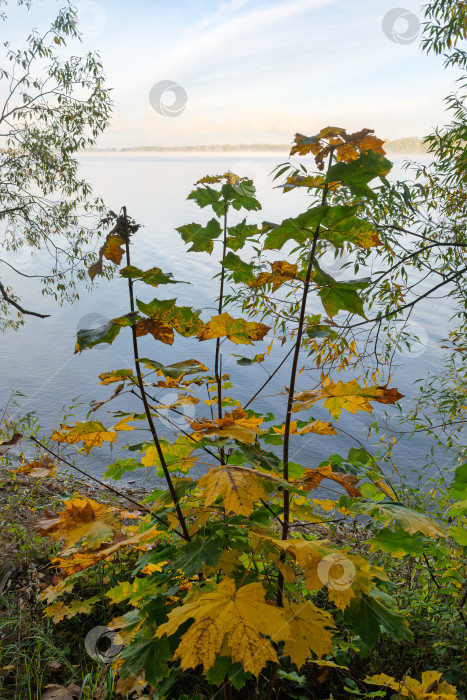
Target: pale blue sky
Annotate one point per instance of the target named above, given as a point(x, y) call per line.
point(256, 70)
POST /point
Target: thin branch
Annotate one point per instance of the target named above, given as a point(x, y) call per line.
point(147, 409)
point(14, 303)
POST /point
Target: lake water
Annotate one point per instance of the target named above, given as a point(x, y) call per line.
point(38, 359)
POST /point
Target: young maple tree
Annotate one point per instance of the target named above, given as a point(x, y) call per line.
point(230, 573)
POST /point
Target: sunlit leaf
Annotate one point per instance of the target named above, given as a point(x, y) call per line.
point(281, 272)
point(177, 455)
point(236, 425)
point(82, 518)
point(235, 329)
point(239, 487)
point(165, 317)
point(312, 478)
point(352, 397)
point(226, 618)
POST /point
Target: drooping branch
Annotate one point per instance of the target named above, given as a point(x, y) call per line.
point(14, 303)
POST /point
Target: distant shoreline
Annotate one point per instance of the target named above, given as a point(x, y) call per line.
point(406, 146)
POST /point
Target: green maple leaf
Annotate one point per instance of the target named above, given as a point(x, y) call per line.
point(241, 271)
point(358, 173)
point(201, 237)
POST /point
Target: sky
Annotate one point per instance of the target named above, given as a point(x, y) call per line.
point(255, 71)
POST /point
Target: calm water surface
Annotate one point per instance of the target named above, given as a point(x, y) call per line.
point(39, 361)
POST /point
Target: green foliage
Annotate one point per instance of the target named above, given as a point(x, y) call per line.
point(54, 104)
point(235, 574)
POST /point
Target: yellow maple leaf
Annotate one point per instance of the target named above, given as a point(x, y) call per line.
point(240, 487)
point(133, 684)
point(182, 400)
point(325, 504)
point(429, 688)
point(282, 271)
point(310, 627)
point(235, 425)
point(57, 611)
point(91, 434)
point(318, 427)
point(342, 573)
point(229, 560)
point(82, 518)
point(226, 619)
point(235, 329)
point(123, 424)
point(352, 397)
point(118, 375)
point(346, 152)
point(112, 249)
point(177, 455)
point(82, 560)
point(151, 568)
point(44, 468)
point(312, 478)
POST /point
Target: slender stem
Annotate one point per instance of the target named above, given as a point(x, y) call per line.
point(217, 371)
point(290, 400)
point(101, 483)
point(147, 409)
point(250, 563)
point(269, 378)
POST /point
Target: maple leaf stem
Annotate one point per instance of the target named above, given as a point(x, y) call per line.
point(293, 374)
point(250, 563)
point(270, 377)
point(144, 398)
point(217, 373)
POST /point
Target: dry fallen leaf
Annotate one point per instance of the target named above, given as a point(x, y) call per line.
point(52, 691)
